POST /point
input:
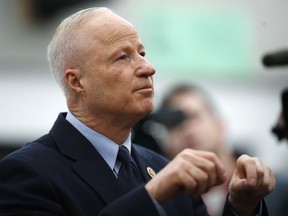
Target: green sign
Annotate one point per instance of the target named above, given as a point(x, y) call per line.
point(204, 43)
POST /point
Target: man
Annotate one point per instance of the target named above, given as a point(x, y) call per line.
point(202, 128)
point(99, 61)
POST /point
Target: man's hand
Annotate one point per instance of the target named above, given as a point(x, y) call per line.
point(191, 171)
point(250, 182)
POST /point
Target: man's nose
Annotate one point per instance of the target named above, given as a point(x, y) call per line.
point(146, 68)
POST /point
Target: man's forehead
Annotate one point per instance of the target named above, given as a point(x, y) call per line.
point(108, 20)
point(109, 27)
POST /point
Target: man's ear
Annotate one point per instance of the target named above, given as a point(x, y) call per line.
point(73, 78)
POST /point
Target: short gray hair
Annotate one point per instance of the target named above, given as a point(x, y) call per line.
point(64, 44)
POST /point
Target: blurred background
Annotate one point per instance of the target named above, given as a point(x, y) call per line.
point(217, 44)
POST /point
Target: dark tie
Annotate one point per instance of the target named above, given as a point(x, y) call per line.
point(129, 176)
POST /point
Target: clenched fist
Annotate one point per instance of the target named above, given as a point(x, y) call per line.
point(250, 182)
point(191, 171)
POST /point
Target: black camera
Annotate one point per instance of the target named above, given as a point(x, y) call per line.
point(277, 59)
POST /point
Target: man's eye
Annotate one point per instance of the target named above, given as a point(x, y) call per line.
point(142, 54)
point(123, 57)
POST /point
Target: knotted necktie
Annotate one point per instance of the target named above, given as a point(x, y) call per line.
point(129, 176)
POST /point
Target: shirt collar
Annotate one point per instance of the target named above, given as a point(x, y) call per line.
point(106, 147)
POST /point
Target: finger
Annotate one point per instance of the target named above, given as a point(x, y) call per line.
point(203, 170)
point(203, 177)
point(210, 167)
point(217, 166)
point(250, 170)
point(269, 181)
point(204, 161)
point(189, 183)
point(203, 180)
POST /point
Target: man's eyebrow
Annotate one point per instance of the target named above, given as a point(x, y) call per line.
point(125, 47)
point(141, 45)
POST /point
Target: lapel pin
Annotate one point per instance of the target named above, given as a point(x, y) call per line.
point(151, 172)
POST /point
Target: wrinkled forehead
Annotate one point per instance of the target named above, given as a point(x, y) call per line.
point(107, 27)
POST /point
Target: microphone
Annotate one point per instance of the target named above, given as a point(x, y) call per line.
point(279, 58)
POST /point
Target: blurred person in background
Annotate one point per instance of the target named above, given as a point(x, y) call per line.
point(203, 128)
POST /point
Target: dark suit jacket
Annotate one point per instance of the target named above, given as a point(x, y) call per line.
point(61, 173)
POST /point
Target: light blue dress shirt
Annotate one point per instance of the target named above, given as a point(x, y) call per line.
point(106, 147)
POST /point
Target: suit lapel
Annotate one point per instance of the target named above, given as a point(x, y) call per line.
point(144, 162)
point(93, 169)
point(89, 164)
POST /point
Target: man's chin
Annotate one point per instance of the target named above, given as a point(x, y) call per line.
point(145, 112)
